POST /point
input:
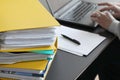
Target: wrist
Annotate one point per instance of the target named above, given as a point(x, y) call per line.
point(113, 26)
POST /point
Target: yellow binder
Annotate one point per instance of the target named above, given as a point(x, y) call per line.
point(7, 79)
point(24, 14)
point(28, 65)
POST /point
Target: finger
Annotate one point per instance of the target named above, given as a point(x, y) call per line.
point(94, 19)
point(105, 4)
point(95, 14)
point(108, 14)
point(108, 8)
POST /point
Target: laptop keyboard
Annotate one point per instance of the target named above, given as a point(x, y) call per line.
point(79, 11)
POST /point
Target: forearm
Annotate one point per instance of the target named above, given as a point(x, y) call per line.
point(115, 28)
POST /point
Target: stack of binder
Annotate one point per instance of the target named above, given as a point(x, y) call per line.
point(28, 41)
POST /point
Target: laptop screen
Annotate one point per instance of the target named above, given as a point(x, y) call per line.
point(57, 4)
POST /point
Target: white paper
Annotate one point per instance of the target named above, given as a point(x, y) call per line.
point(89, 41)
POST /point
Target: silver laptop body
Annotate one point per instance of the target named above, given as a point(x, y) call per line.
point(73, 11)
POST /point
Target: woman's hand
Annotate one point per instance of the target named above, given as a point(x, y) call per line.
point(102, 18)
point(114, 8)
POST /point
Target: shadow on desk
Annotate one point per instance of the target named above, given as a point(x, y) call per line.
point(78, 26)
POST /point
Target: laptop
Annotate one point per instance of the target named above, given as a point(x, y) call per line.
point(73, 11)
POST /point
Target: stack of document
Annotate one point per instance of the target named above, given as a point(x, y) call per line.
point(28, 41)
